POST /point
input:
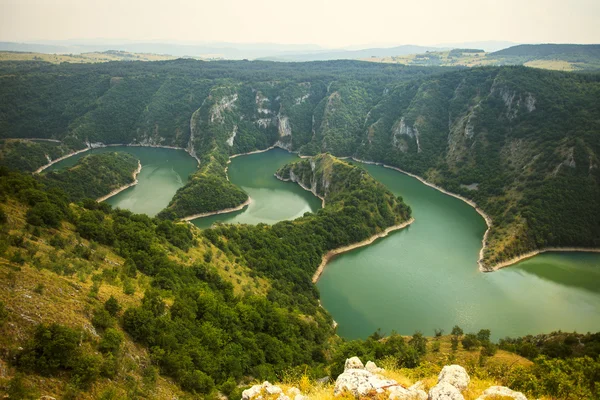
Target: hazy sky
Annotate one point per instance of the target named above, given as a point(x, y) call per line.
point(324, 22)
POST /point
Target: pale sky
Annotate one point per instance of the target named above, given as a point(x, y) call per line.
point(329, 23)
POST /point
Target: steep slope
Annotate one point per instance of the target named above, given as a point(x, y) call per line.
point(522, 143)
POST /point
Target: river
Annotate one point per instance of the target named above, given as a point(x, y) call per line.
point(421, 278)
point(163, 172)
point(426, 277)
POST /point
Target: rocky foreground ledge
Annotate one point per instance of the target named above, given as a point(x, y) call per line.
point(367, 381)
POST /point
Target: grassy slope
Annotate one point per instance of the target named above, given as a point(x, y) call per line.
point(66, 299)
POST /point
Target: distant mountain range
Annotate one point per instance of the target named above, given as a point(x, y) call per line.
point(265, 51)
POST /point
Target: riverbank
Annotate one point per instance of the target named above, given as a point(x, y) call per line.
point(303, 187)
point(332, 253)
point(43, 167)
point(534, 253)
point(119, 190)
point(101, 145)
point(488, 220)
point(223, 211)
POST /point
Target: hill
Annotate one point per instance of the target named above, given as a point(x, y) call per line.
point(565, 57)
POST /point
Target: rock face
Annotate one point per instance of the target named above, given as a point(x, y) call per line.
point(501, 391)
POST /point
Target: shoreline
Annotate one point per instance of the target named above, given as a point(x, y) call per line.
point(43, 167)
point(487, 219)
point(534, 253)
point(119, 190)
point(332, 253)
point(223, 211)
point(90, 147)
point(303, 187)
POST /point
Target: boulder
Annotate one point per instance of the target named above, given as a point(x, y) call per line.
point(455, 375)
point(353, 363)
point(251, 393)
point(293, 391)
point(445, 391)
point(497, 391)
point(373, 368)
point(400, 393)
point(272, 389)
point(360, 382)
point(256, 390)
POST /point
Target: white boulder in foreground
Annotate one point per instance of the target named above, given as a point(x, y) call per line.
point(455, 375)
point(445, 391)
point(501, 391)
point(257, 392)
point(361, 382)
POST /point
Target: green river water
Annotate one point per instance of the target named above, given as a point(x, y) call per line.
point(163, 172)
point(421, 278)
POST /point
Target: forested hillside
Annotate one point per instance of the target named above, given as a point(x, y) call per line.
point(523, 143)
point(207, 309)
point(93, 176)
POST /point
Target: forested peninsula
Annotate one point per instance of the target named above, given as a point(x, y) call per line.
point(94, 176)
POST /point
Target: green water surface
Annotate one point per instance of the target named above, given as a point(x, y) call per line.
point(272, 199)
point(163, 172)
point(425, 277)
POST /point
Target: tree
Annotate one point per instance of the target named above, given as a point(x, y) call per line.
point(483, 335)
point(457, 331)
point(470, 341)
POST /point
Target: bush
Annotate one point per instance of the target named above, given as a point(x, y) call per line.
point(86, 370)
point(111, 341)
point(44, 214)
point(112, 306)
point(470, 341)
point(102, 319)
point(52, 348)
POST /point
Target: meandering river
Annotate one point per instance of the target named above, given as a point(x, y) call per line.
point(163, 172)
point(426, 277)
point(421, 278)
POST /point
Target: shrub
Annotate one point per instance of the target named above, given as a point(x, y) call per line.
point(102, 319)
point(112, 306)
point(53, 347)
point(111, 341)
point(470, 341)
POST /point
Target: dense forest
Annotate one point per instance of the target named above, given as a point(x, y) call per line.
point(93, 176)
point(520, 142)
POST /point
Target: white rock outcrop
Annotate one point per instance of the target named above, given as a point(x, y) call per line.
point(258, 392)
point(353, 363)
point(445, 391)
point(362, 382)
point(455, 375)
point(373, 368)
point(501, 391)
